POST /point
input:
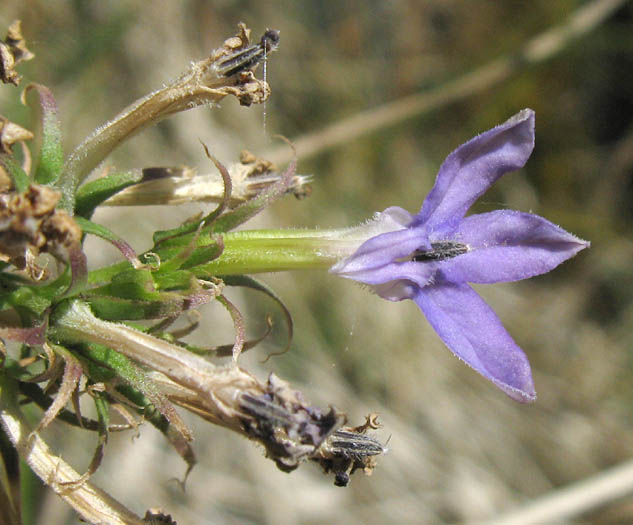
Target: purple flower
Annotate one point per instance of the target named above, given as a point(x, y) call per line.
point(431, 256)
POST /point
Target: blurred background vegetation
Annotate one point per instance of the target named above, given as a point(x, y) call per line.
point(460, 451)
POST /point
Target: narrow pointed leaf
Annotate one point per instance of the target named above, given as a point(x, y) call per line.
point(118, 309)
point(178, 440)
point(89, 227)
point(134, 376)
point(93, 193)
point(69, 382)
point(103, 418)
point(247, 281)
point(51, 156)
point(18, 176)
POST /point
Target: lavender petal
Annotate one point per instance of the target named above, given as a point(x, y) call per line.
point(414, 273)
point(474, 333)
point(507, 245)
point(473, 167)
point(381, 250)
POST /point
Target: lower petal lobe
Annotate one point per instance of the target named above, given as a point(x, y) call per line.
point(474, 333)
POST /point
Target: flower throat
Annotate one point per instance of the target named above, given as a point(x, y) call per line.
point(440, 251)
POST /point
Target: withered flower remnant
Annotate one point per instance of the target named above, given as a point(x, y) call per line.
point(31, 224)
point(249, 58)
point(11, 133)
point(179, 185)
point(13, 50)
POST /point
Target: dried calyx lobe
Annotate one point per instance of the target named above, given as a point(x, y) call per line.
point(440, 251)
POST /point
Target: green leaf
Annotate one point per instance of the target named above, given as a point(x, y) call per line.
point(92, 228)
point(36, 298)
point(130, 284)
point(249, 282)
point(174, 280)
point(103, 414)
point(105, 274)
point(159, 421)
point(51, 157)
point(202, 255)
point(18, 176)
point(124, 368)
point(117, 309)
point(28, 298)
point(93, 193)
point(136, 294)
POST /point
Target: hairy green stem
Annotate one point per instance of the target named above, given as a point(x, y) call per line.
point(259, 251)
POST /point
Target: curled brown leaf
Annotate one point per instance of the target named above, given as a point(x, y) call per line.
point(13, 50)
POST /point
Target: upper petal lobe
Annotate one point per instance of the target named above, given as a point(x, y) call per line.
point(470, 170)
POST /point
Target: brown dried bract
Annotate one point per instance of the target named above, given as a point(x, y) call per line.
point(249, 91)
point(30, 224)
point(261, 173)
point(10, 133)
point(259, 165)
point(13, 50)
point(371, 423)
point(234, 43)
point(246, 157)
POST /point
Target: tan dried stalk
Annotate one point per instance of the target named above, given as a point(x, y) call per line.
point(216, 387)
point(93, 504)
point(199, 85)
point(272, 413)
